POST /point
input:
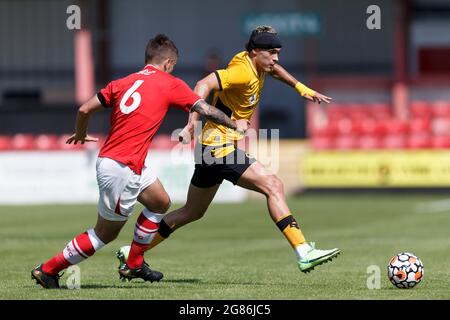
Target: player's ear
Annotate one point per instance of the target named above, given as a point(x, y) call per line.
point(167, 65)
point(255, 51)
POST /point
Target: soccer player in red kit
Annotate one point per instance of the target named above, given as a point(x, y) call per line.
point(138, 103)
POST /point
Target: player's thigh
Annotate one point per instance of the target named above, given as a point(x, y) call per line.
point(199, 199)
point(257, 178)
point(154, 197)
point(119, 187)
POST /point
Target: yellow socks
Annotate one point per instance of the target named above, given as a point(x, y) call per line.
point(291, 231)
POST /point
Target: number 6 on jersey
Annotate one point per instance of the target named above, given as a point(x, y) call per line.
point(136, 96)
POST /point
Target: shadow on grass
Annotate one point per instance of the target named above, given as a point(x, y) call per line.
point(138, 284)
point(100, 286)
point(173, 281)
point(182, 280)
point(126, 285)
point(240, 283)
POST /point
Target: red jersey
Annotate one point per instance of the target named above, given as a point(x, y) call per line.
point(139, 104)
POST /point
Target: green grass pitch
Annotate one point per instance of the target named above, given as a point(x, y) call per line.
point(236, 252)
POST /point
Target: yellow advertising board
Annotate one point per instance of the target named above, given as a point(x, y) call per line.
point(392, 168)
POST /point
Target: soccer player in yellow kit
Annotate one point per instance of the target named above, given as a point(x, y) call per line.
point(237, 91)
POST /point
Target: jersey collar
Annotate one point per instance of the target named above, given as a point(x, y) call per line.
point(149, 65)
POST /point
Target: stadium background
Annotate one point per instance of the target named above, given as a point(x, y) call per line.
point(388, 127)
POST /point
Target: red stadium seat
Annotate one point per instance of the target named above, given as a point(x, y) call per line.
point(418, 141)
point(336, 116)
point(369, 142)
point(72, 147)
point(440, 126)
point(419, 125)
point(358, 111)
point(421, 109)
point(345, 142)
point(46, 142)
point(379, 110)
point(356, 108)
point(322, 143)
point(394, 141)
point(323, 131)
point(381, 116)
point(23, 142)
point(359, 116)
point(367, 126)
point(440, 142)
point(441, 109)
point(332, 128)
point(380, 128)
point(5, 142)
point(395, 126)
point(345, 126)
point(336, 111)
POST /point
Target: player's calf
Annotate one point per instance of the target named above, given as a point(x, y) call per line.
point(146, 228)
point(77, 250)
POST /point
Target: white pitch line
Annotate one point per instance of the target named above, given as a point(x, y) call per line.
point(433, 206)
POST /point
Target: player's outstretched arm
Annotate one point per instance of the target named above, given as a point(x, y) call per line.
point(81, 124)
point(279, 73)
point(217, 116)
point(203, 89)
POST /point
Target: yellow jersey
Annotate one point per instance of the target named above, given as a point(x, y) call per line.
point(240, 90)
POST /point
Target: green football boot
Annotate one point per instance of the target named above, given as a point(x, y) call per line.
point(122, 255)
point(316, 257)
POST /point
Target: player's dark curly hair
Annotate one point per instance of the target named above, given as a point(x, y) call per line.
point(160, 48)
point(257, 30)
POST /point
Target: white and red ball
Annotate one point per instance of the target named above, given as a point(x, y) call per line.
point(405, 270)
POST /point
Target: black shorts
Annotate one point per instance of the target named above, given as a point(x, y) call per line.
point(210, 171)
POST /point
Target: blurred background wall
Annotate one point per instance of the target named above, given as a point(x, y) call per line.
point(390, 85)
point(37, 55)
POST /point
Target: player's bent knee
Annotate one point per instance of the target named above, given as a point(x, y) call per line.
point(106, 235)
point(198, 215)
point(279, 185)
point(166, 206)
point(193, 215)
point(274, 185)
point(162, 206)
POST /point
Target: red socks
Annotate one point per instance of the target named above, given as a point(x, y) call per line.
point(146, 227)
point(80, 248)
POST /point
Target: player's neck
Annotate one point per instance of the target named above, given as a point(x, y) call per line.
point(156, 66)
point(253, 60)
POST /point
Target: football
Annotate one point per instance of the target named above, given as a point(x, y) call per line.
point(405, 270)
